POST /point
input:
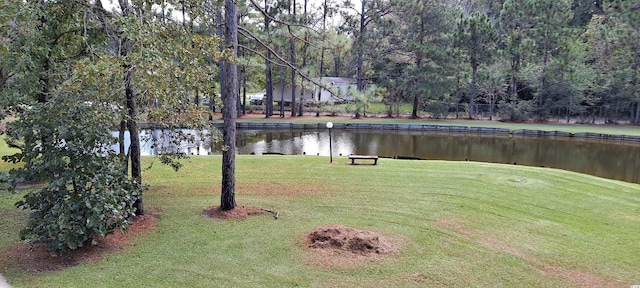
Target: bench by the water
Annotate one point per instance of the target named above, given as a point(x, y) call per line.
point(363, 157)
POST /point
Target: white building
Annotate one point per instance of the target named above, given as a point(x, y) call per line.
point(336, 89)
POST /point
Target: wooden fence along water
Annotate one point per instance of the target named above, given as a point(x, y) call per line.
point(438, 129)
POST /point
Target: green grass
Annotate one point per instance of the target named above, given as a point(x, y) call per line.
point(459, 224)
point(571, 128)
point(5, 150)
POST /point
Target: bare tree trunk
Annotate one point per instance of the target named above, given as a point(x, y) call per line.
point(229, 96)
point(361, 46)
point(474, 89)
point(244, 90)
point(414, 110)
point(292, 48)
point(269, 87)
point(281, 95)
point(268, 74)
point(324, 28)
point(635, 80)
point(304, 59)
point(242, 83)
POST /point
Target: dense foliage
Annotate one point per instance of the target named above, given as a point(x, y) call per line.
point(542, 59)
point(85, 195)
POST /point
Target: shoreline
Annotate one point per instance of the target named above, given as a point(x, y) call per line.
point(436, 128)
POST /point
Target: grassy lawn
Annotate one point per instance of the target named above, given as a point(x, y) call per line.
point(459, 224)
point(571, 128)
point(4, 149)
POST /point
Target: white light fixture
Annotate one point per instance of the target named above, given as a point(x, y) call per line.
point(330, 125)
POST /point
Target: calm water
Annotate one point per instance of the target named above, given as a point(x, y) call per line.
point(605, 159)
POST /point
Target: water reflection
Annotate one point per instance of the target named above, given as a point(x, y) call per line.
point(605, 159)
point(293, 142)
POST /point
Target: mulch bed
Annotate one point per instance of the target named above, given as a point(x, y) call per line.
point(39, 259)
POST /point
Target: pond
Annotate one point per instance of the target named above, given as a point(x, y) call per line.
point(614, 160)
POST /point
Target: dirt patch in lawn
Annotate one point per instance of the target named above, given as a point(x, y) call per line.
point(240, 212)
point(338, 245)
point(39, 259)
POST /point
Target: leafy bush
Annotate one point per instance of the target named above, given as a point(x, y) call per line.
point(437, 109)
point(66, 217)
point(511, 111)
point(86, 194)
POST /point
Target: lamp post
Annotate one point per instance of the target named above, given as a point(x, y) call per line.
point(329, 126)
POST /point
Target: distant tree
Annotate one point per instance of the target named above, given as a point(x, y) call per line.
point(550, 29)
point(268, 72)
point(516, 48)
point(624, 36)
point(477, 38)
point(357, 23)
point(424, 28)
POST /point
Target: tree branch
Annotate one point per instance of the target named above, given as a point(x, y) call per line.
point(248, 33)
point(261, 55)
point(265, 14)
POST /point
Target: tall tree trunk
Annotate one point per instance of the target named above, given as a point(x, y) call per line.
point(635, 80)
point(282, 94)
point(420, 55)
point(132, 110)
point(229, 96)
point(244, 90)
point(304, 60)
point(269, 87)
point(474, 89)
point(414, 111)
point(361, 38)
point(239, 107)
point(292, 48)
point(268, 74)
point(324, 28)
point(132, 123)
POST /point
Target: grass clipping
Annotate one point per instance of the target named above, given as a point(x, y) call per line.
point(340, 245)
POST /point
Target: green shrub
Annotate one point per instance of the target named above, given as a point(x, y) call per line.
point(512, 111)
point(86, 193)
point(437, 109)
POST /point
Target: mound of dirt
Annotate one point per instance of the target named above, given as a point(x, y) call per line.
point(347, 239)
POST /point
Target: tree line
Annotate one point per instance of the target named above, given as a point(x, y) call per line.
point(520, 60)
